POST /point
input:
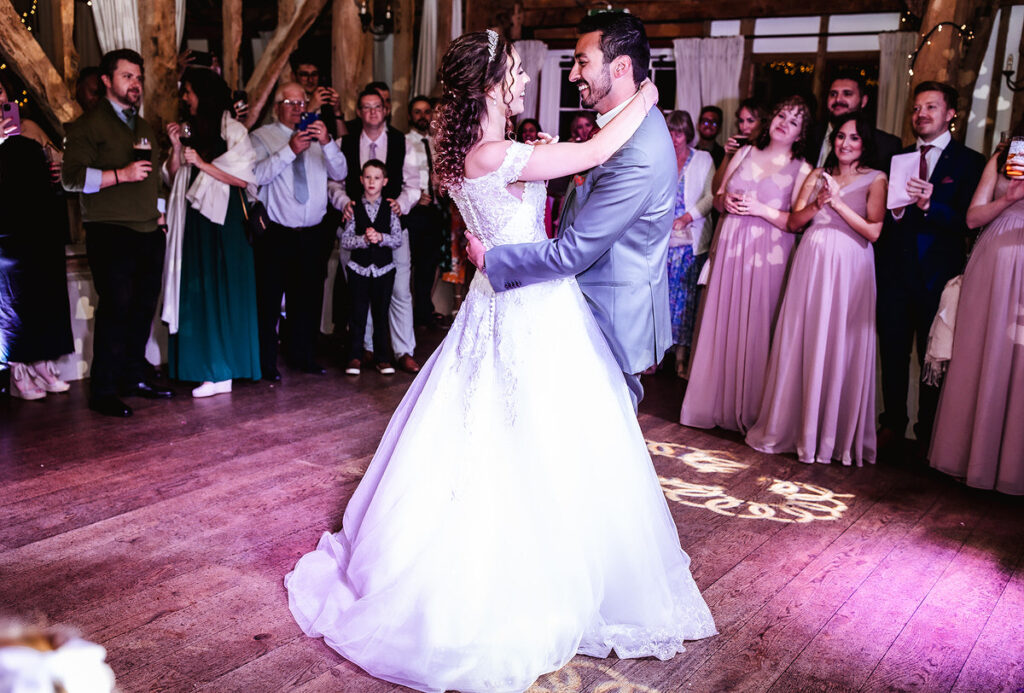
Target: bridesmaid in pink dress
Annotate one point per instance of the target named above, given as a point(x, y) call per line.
point(748, 268)
point(979, 435)
point(819, 399)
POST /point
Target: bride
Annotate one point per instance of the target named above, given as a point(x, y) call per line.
point(511, 517)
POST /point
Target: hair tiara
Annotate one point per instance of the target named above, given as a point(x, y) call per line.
point(492, 44)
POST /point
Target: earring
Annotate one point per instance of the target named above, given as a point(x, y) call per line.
point(494, 101)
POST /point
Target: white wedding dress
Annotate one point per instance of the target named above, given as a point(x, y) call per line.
point(511, 517)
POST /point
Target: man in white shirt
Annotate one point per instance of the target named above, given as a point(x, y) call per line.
point(425, 220)
point(376, 140)
point(292, 170)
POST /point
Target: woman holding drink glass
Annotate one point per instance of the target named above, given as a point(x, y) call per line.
point(748, 266)
point(209, 277)
point(977, 434)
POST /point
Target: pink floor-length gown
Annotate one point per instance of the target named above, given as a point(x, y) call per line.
point(819, 398)
point(747, 274)
point(979, 426)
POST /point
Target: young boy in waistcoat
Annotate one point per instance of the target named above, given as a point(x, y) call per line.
point(370, 234)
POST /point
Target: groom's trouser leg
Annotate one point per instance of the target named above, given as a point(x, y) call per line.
point(636, 390)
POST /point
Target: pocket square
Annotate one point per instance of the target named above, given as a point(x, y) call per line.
point(946, 181)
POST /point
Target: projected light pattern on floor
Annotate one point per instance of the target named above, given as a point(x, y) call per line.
point(578, 676)
point(797, 501)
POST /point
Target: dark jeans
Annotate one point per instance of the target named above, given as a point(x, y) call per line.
point(425, 225)
point(373, 295)
point(291, 262)
point(905, 315)
point(127, 267)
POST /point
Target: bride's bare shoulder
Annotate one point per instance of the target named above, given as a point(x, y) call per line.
point(485, 158)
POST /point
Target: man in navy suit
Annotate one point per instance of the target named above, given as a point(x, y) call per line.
point(922, 246)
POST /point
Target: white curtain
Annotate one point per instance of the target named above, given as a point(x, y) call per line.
point(708, 74)
point(549, 93)
point(117, 23)
point(688, 97)
point(426, 60)
point(456, 19)
point(893, 79)
point(720, 62)
point(534, 54)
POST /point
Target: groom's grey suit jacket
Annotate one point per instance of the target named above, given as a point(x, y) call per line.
point(614, 232)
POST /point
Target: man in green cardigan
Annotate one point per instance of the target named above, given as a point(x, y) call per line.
point(124, 233)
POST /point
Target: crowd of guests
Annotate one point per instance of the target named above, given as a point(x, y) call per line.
point(809, 267)
point(786, 264)
point(223, 224)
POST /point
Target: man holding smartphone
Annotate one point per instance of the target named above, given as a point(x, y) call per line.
point(123, 231)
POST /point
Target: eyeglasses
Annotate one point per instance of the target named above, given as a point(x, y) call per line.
point(371, 109)
point(705, 121)
point(300, 103)
point(304, 73)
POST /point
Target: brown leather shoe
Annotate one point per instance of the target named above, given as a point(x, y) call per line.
point(408, 364)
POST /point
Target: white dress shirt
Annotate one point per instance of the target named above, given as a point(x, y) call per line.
point(939, 144)
point(410, 194)
point(275, 176)
point(414, 144)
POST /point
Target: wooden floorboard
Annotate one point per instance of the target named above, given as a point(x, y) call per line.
point(166, 537)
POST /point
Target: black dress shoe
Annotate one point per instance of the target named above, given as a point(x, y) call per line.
point(109, 405)
point(314, 368)
point(147, 390)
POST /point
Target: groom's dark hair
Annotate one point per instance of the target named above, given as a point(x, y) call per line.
point(621, 34)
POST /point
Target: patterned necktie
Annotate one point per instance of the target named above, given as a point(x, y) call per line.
point(299, 173)
point(373, 150)
point(430, 168)
point(129, 117)
point(922, 170)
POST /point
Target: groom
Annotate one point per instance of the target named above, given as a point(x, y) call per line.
point(617, 218)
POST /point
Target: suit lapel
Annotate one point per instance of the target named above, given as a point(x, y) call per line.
point(943, 163)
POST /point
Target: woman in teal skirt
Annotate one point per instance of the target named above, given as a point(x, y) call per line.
point(209, 283)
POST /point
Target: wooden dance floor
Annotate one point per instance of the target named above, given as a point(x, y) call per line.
point(165, 538)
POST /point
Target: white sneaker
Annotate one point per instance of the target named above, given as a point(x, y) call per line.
point(23, 385)
point(44, 373)
point(209, 389)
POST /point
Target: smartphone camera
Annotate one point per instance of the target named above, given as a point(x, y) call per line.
point(306, 120)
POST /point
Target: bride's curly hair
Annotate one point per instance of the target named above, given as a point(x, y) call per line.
point(467, 73)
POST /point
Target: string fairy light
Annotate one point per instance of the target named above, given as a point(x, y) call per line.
point(965, 32)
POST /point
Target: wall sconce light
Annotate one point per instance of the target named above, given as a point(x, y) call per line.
point(385, 23)
point(1008, 73)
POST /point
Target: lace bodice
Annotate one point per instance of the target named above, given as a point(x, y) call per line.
point(496, 215)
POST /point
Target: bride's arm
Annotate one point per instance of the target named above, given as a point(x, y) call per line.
point(566, 158)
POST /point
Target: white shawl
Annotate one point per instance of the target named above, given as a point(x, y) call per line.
point(206, 195)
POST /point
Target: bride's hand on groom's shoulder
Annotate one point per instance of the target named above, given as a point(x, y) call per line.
point(649, 92)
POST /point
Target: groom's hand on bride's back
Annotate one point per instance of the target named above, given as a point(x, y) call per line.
point(475, 251)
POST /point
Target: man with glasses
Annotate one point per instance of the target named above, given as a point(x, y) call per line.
point(375, 139)
point(708, 126)
point(292, 170)
point(320, 99)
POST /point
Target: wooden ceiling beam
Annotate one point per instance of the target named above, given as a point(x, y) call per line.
point(559, 13)
point(275, 56)
point(41, 79)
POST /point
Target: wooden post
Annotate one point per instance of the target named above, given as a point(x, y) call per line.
point(42, 81)
point(285, 11)
point(275, 57)
point(231, 14)
point(401, 81)
point(350, 51)
point(444, 34)
point(819, 86)
point(160, 55)
point(62, 17)
point(946, 59)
